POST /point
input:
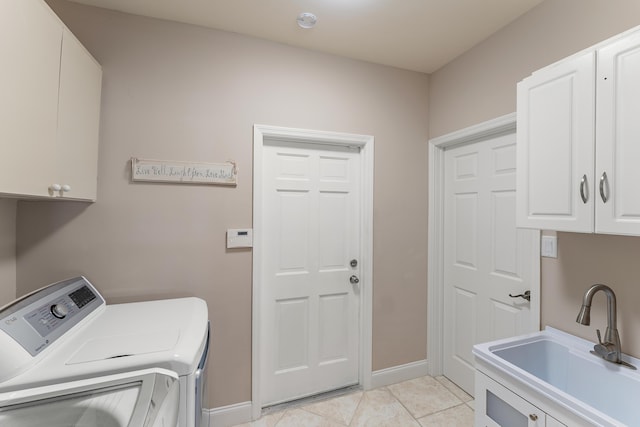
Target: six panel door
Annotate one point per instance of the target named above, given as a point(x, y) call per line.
point(310, 315)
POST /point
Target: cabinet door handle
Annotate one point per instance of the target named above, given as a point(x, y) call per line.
point(604, 181)
point(533, 417)
point(584, 189)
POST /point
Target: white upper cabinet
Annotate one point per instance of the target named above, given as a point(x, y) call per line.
point(618, 137)
point(78, 120)
point(555, 151)
point(579, 142)
point(49, 108)
point(30, 50)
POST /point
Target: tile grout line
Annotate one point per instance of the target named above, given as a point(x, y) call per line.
point(426, 415)
point(403, 405)
point(357, 406)
point(446, 409)
point(334, 398)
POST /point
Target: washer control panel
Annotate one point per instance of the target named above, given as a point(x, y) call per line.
point(40, 318)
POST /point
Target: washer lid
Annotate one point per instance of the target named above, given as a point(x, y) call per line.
point(125, 345)
point(149, 397)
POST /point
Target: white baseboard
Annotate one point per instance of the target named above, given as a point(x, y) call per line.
point(227, 416)
point(399, 373)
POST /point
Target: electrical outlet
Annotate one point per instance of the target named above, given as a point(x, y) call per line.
point(549, 247)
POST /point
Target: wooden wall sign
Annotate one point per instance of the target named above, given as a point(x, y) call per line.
point(183, 172)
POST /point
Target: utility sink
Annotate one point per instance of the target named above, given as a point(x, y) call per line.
point(561, 367)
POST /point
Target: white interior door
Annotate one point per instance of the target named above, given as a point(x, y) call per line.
point(486, 258)
point(310, 306)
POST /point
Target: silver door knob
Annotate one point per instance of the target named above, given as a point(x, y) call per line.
point(354, 280)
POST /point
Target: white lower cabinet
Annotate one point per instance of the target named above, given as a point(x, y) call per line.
point(497, 406)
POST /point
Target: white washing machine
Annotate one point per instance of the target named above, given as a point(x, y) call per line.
point(66, 333)
point(143, 398)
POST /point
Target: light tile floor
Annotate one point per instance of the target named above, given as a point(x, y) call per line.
point(422, 402)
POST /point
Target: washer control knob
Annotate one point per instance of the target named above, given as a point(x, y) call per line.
point(59, 311)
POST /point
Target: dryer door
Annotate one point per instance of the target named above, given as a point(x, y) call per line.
point(148, 398)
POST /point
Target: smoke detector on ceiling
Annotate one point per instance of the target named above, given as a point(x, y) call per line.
point(307, 20)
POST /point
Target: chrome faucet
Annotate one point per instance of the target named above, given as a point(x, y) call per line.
point(610, 350)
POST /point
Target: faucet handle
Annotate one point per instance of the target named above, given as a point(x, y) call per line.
point(605, 351)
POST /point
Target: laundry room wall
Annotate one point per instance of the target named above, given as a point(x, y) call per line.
point(481, 85)
point(7, 250)
point(179, 92)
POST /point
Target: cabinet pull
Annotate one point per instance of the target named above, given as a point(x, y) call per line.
point(533, 417)
point(584, 189)
point(604, 181)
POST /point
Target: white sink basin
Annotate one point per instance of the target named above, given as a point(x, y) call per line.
point(560, 366)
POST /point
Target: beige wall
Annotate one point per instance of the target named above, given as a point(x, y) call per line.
point(481, 84)
point(7, 251)
point(173, 91)
point(583, 260)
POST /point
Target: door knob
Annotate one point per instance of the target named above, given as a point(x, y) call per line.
point(354, 280)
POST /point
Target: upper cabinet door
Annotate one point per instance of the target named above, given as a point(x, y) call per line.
point(618, 137)
point(78, 120)
point(49, 106)
point(556, 137)
point(30, 50)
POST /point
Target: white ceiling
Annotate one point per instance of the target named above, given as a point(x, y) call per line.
point(418, 35)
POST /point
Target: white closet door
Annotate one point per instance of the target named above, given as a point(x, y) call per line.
point(486, 257)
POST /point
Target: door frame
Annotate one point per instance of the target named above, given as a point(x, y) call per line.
point(365, 143)
point(435, 281)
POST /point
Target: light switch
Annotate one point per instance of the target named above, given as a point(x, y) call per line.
point(239, 238)
point(549, 247)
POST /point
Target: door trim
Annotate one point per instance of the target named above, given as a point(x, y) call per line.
point(435, 280)
point(365, 143)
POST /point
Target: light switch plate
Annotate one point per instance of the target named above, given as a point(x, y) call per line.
point(239, 238)
point(549, 247)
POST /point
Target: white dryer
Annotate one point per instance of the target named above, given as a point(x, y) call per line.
point(66, 332)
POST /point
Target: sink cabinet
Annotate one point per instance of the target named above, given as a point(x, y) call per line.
point(579, 141)
point(497, 406)
point(50, 107)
